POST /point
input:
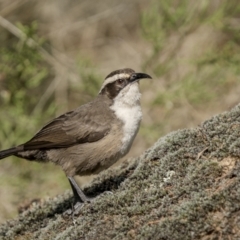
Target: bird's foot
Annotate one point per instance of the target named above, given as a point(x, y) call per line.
point(74, 210)
point(71, 211)
point(80, 198)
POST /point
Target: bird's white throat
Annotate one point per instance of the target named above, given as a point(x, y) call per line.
point(128, 109)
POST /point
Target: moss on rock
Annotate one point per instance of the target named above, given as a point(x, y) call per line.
point(187, 186)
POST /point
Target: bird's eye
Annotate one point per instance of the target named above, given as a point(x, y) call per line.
point(120, 81)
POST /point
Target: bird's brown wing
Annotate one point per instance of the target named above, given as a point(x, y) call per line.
point(85, 124)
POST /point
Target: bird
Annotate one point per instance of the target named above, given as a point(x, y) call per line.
point(92, 137)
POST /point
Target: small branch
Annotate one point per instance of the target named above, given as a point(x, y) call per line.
point(92, 19)
point(30, 42)
point(11, 7)
point(54, 62)
point(201, 153)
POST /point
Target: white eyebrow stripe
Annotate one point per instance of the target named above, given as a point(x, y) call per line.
point(113, 79)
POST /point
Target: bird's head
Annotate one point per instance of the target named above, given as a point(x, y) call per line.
point(122, 83)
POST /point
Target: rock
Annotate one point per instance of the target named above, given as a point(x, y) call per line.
point(187, 186)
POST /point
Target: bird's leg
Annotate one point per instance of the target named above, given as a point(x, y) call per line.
point(79, 196)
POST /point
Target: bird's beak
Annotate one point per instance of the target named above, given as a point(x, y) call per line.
point(137, 76)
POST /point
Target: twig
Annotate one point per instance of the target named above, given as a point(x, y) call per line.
point(11, 7)
point(92, 19)
point(201, 153)
point(30, 42)
point(54, 62)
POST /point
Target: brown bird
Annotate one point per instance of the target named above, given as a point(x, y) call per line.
point(92, 137)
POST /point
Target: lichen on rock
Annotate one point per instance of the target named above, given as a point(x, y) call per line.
point(186, 186)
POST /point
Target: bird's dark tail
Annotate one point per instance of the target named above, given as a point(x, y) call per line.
point(8, 152)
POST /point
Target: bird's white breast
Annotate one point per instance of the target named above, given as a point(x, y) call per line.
point(128, 109)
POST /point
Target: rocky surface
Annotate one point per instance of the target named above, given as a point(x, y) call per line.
point(186, 186)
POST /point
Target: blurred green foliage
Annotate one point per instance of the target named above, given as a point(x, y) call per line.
point(23, 77)
point(163, 18)
point(92, 81)
point(209, 72)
